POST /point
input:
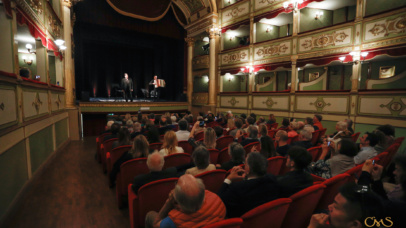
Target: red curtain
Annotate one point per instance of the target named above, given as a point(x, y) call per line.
point(36, 32)
point(231, 71)
point(273, 66)
point(235, 26)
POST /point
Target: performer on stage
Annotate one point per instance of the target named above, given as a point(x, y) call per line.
point(156, 84)
point(127, 86)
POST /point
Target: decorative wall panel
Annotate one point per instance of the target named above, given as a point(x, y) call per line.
point(322, 104)
point(235, 57)
point(234, 101)
point(200, 62)
point(260, 4)
point(271, 102)
point(57, 101)
point(34, 103)
point(326, 40)
point(273, 50)
point(394, 106)
point(235, 13)
point(388, 27)
point(200, 98)
point(8, 105)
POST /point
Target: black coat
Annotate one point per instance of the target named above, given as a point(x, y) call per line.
point(293, 182)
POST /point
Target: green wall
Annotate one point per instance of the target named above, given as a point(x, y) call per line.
point(399, 131)
point(283, 30)
point(13, 174)
point(373, 6)
point(282, 77)
point(32, 67)
point(400, 67)
point(52, 69)
point(334, 78)
point(260, 78)
point(61, 132)
point(40, 149)
point(197, 49)
point(234, 85)
point(200, 85)
point(307, 21)
point(307, 71)
point(344, 14)
point(262, 35)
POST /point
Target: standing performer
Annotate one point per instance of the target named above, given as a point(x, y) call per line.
point(127, 86)
point(156, 84)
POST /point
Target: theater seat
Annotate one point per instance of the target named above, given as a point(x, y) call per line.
point(315, 152)
point(129, 170)
point(177, 159)
point(213, 179)
point(302, 206)
point(115, 154)
point(248, 147)
point(332, 186)
point(155, 146)
point(99, 141)
point(199, 135)
point(275, 165)
point(355, 136)
point(151, 197)
point(214, 154)
point(106, 147)
point(187, 148)
point(227, 223)
point(224, 141)
point(355, 172)
point(268, 215)
point(223, 156)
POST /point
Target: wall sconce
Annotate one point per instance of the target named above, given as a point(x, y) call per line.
point(318, 15)
point(294, 5)
point(206, 79)
point(268, 29)
point(28, 61)
point(229, 1)
point(29, 47)
point(59, 42)
point(229, 77)
point(214, 30)
point(232, 38)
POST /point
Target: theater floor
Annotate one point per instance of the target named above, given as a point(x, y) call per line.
point(71, 191)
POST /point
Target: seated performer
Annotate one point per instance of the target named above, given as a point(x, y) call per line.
point(156, 84)
point(127, 86)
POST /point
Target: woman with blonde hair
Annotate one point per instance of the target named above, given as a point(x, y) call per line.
point(140, 149)
point(230, 124)
point(170, 144)
point(209, 140)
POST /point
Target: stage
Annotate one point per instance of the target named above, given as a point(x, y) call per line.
point(119, 105)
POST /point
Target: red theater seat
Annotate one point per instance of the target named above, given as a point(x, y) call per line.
point(224, 141)
point(213, 179)
point(315, 152)
point(248, 147)
point(223, 156)
point(115, 154)
point(155, 146)
point(106, 147)
point(332, 186)
point(214, 154)
point(228, 223)
point(177, 159)
point(275, 165)
point(187, 148)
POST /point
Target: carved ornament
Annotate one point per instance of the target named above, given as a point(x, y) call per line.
point(235, 57)
point(233, 101)
point(36, 5)
point(54, 25)
point(200, 98)
point(201, 62)
point(190, 41)
point(324, 40)
point(272, 50)
point(394, 26)
point(37, 103)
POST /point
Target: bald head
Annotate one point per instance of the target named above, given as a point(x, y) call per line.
point(189, 193)
point(155, 162)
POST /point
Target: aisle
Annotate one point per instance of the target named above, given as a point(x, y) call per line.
point(72, 192)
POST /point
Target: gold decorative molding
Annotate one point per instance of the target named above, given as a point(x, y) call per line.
point(233, 101)
point(394, 26)
point(201, 62)
point(190, 41)
point(37, 103)
point(36, 5)
point(54, 25)
point(58, 101)
point(324, 40)
point(235, 12)
point(200, 98)
point(235, 57)
point(269, 102)
point(272, 50)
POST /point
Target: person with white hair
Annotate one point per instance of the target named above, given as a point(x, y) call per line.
point(342, 131)
point(305, 139)
point(155, 163)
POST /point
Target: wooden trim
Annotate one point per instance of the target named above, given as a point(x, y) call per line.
point(342, 77)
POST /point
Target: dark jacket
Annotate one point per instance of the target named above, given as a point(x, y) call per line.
point(248, 141)
point(143, 179)
point(240, 197)
point(304, 144)
point(283, 150)
point(229, 165)
point(294, 181)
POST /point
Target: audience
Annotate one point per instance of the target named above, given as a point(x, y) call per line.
point(108, 127)
point(349, 126)
point(170, 144)
point(285, 124)
point(342, 131)
point(209, 140)
point(330, 165)
point(252, 136)
point(129, 124)
point(155, 163)
point(183, 134)
point(123, 138)
point(238, 125)
point(262, 130)
point(188, 205)
point(115, 127)
point(250, 122)
point(140, 149)
point(267, 147)
point(272, 119)
point(309, 124)
point(296, 179)
point(367, 151)
point(137, 130)
point(237, 155)
point(152, 134)
point(219, 131)
point(245, 189)
point(294, 126)
point(305, 139)
point(201, 159)
point(389, 132)
point(230, 125)
point(282, 139)
point(317, 121)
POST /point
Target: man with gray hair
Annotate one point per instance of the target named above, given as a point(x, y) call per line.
point(188, 205)
point(305, 139)
point(252, 136)
point(155, 163)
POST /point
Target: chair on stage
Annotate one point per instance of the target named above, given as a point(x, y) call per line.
point(118, 92)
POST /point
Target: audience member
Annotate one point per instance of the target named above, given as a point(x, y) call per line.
point(342, 131)
point(381, 145)
point(282, 140)
point(252, 136)
point(115, 127)
point(285, 124)
point(238, 125)
point(129, 125)
point(249, 122)
point(352, 207)
point(301, 126)
point(261, 120)
point(272, 119)
point(367, 151)
point(123, 138)
point(188, 205)
point(201, 159)
point(170, 144)
point(317, 122)
point(305, 139)
point(183, 134)
point(198, 127)
point(244, 190)
point(153, 134)
point(108, 126)
point(163, 125)
point(219, 131)
point(330, 165)
point(296, 179)
point(237, 155)
point(349, 125)
point(294, 126)
point(155, 163)
point(209, 140)
point(262, 130)
point(267, 147)
point(140, 149)
point(137, 130)
point(230, 125)
point(309, 124)
point(389, 132)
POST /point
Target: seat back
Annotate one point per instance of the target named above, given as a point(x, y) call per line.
point(213, 179)
point(382, 159)
point(303, 204)
point(332, 186)
point(199, 135)
point(271, 133)
point(274, 126)
point(223, 156)
point(152, 196)
point(175, 128)
point(322, 132)
point(224, 141)
point(269, 126)
point(248, 147)
point(186, 146)
point(106, 147)
point(155, 146)
point(275, 165)
point(315, 152)
point(214, 154)
point(129, 170)
point(176, 159)
point(227, 223)
point(99, 141)
point(315, 137)
point(284, 168)
point(317, 178)
point(115, 154)
point(355, 136)
point(161, 138)
point(293, 139)
point(399, 140)
point(392, 150)
point(268, 215)
point(355, 172)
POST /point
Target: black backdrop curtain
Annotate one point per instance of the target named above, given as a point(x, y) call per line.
point(103, 55)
